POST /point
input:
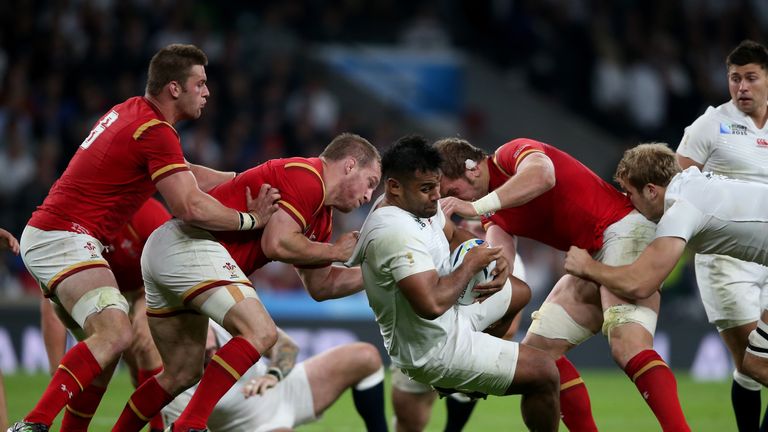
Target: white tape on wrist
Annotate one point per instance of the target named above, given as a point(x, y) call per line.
point(487, 204)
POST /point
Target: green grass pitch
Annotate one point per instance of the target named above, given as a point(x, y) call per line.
point(616, 404)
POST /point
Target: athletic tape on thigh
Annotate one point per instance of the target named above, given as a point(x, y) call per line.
point(618, 315)
point(553, 322)
point(224, 298)
point(95, 301)
point(758, 340)
point(745, 381)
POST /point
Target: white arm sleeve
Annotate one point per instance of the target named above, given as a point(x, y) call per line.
point(681, 220)
point(700, 138)
point(401, 252)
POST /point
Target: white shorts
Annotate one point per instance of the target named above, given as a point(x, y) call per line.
point(287, 405)
point(732, 290)
point(473, 361)
point(52, 256)
point(180, 262)
point(625, 240)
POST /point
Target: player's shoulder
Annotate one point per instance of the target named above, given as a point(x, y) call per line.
point(392, 220)
point(141, 118)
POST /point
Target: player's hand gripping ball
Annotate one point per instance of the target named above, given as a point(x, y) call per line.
point(468, 295)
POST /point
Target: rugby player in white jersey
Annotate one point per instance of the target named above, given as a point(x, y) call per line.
point(710, 214)
point(732, 140)
point(404, 251)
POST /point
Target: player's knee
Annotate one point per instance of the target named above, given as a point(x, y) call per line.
point(263, 338)
point(367, 356)
point(622, 314)
point(521, 294)
point(755, 362)
point(552, 321)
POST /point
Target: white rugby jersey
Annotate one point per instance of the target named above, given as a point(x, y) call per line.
point(393, 245)
point(726, 141)
point(717, 215)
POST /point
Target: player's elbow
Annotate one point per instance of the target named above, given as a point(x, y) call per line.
point(639, 291)
point(429, 311)
point(320, 294)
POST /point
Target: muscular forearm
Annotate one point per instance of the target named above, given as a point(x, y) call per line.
point(533, 179)
point(294, 248)
point(332, 282)
point(625, 281)
point(208, 178)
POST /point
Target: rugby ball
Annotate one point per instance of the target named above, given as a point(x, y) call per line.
point(467, 296)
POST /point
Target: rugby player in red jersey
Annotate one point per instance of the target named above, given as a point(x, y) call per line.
point(532, 189)
point(123, 255)
point(191, 274)
point(132, 152)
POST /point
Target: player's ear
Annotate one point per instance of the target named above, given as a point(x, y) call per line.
point(394, 186)
point(175, 88)
point(349, 164)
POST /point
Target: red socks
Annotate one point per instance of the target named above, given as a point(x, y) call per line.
point(77, 369)
point(658, 386)
point(575, 408)
point(142, 375)
point(81, 408)
point(229, 363)
point(145, 403)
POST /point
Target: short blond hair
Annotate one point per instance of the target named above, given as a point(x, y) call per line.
point(653, 163)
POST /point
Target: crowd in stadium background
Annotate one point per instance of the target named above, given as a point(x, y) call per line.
point(640, 70)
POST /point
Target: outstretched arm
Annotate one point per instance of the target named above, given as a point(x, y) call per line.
point(535, 175)
point(638, 280)
point(190, 204)
point(331, 281)
point(208, 178)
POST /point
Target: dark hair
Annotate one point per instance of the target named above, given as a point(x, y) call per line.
point(455, 152)
point(748, 52)
point(351, 145)
point(173, 63)
point(408, 155)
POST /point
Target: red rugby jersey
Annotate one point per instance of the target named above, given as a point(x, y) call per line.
point(113, 172)
point(124, 257)
point(302, 196)
point(574, 212)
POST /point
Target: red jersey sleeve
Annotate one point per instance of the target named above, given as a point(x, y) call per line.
point(160, 143)
point(302, 193)
point(509, 156)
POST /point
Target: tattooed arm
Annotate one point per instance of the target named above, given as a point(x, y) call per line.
point(282, 358)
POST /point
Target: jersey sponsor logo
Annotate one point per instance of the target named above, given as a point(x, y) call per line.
point(762, 142)
point(732, 129)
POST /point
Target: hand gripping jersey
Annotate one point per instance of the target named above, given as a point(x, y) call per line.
point(113, 172)
point(302, 192)
point(575, 211)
